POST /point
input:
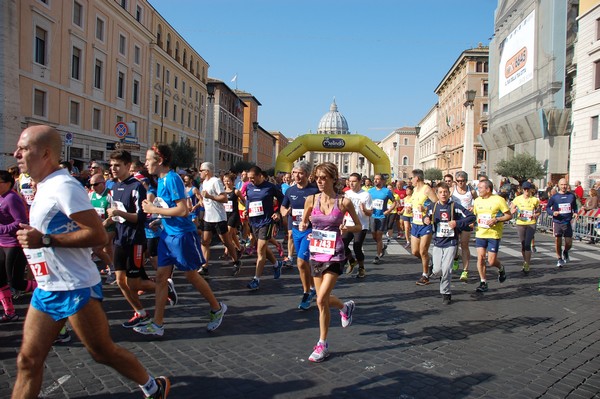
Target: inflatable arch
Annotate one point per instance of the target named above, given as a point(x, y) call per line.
point(333, 143)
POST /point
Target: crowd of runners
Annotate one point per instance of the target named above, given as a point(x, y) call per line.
point(136, 223)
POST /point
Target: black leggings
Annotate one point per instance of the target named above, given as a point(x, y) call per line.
point(359, 238)
point(12, 267)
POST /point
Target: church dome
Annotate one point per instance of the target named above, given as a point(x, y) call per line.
point(333, 122)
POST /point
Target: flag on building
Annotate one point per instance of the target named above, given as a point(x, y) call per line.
point(234, 79)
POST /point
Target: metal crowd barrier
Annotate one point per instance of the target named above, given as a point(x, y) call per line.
point(586, 227)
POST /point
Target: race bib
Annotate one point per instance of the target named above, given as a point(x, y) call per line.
point(297, 216)
point(228, 206)
point(564, 208)
point(482, 221)
point(323, 242)
point(101, 212)
point(443, 230)
point(28, 195)
point(160, 203)
point(378, 204)
point(37, 263)
point(255, 208)
point(119, 205)
point(417, 216)
point(525, 216)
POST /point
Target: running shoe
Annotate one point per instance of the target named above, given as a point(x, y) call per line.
point(566, 256)
point(502, 275)
point(361, 273)
point(277, 270)
point(525, 268)
point(383, 251)
point(320, 353)
point(312, 294)
point(280, 250)
point(399, 237)
point(110, 279)
point(455, 265)
point(483, 287)
point(150, 329)
point(387, 242)
point(164, 385)
point(203, 271)
point(560, 263)
point(346, 316)
point(407, 245)
point(137, 320)
point(63, 338)
point(216, 317)
point(424, 280)
point(464, 276)
point(16, 294)
point(446, 299)
point(253, 285)
point(533, 249)
point(351, 264)
point(7, 318)
point(377, 260)
point(237, 266)
point(172, 294)
point(305, 302)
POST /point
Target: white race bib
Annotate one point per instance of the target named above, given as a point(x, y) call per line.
point(378, 204)
point(37, 264)
point(256, 209)
point(297, 216)
point(228, 206)
point(417, 217)
point(28, 195)
point(119, 205)
point(482, 221)
point(101, 212)
point(443, 230)
point(323, 242)
point(160, 203)
point(525, 216)
point(564, 208)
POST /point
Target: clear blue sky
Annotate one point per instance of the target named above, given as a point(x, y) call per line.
point(380, 59)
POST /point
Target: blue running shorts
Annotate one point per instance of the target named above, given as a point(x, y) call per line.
point(62, 304)
point(420, 230)
point(183, 251)
point(490, 244)
point(301, 243)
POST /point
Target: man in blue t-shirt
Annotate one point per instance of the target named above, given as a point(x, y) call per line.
point(293, 207)
point(562, 206)
point(380, 196)
point(262, 216)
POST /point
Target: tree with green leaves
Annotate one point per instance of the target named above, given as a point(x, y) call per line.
point(433, 174)
point(240, 166)
point(184, 154)
point(521, 167)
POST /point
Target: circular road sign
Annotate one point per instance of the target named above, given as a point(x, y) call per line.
point(121, 130)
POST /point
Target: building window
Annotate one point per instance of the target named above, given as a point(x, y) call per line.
point(596, 75)
point(122, 44)
point(100, 29)
point(121, 85)
point(168, 77)
point(41, 38)
point(39, 103)
point(598, 29)
point(182, 115)
point(175, 82)
point(74, 116)
point(166, 109)
point(96, 119)
point(157, 70)
point(174, 112)
point(405, 161)
point(138, 14)
point(119, 118)
point(136, 54)
point(484, 108)
point(98, 74)
point(76, 63)
point(594, 128)
point(189, 124)
point(77, 14)
point(136, 92)
point(405, 141)
point(485, 89)
point(123, 4)
point(156, 103)
point(183, 87)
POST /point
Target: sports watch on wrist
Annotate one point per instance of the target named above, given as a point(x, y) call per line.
point(46, 240)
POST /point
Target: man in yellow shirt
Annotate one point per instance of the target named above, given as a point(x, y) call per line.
point(527, 208)
point(491, 212)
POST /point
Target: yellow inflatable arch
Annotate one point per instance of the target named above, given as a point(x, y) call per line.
point(333, 143)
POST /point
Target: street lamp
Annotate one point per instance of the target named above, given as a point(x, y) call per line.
point(210, 124)
point(468, 158)
point(395, 159)
point(255, 142)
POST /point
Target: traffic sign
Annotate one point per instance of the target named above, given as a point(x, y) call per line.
point(121, 130)
point(69, 139)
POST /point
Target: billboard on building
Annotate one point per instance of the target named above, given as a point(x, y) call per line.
point(517, 56)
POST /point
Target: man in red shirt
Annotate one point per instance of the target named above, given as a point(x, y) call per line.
point(401, 191)
point(579, 191)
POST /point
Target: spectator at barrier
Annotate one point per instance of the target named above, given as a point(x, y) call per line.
point(591, 203)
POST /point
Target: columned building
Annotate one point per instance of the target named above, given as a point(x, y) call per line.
point(333, 122)
point(463, 109)
point(426, 149)
point(586, 102)
point(531, 79)
point(400, 149)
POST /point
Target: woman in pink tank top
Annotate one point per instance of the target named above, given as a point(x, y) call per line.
point(326, 212)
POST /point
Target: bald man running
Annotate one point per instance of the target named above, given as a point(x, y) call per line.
point(63, 227)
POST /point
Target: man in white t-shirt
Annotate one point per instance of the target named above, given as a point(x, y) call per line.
point(63, 228)
point(363, 205)
point(215, 218)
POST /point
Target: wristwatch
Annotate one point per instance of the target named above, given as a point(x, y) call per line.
point(46, 240)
